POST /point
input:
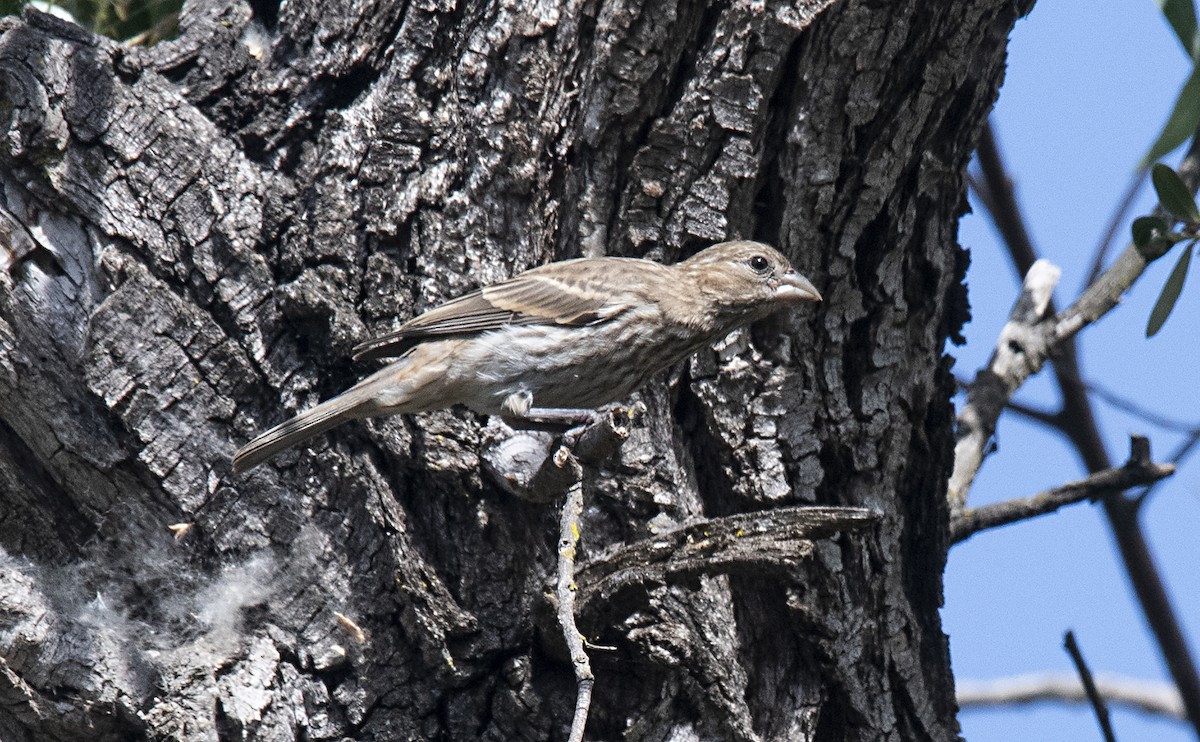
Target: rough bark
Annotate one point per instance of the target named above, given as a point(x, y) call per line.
point(195, 234)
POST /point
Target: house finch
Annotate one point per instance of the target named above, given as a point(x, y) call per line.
point(568, 336)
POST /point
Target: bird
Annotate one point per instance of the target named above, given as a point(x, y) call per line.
point(557, 341)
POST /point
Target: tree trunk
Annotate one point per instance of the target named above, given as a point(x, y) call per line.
point(194, 235)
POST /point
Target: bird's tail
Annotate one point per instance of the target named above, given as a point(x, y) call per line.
point(307, 424)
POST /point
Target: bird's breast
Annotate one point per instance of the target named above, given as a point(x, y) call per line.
point(576, 367)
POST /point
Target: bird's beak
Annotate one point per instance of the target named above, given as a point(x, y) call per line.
point(795, 288)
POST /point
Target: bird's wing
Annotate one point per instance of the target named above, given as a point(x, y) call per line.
point(571, 292)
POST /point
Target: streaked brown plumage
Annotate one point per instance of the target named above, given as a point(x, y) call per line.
point(576, 334)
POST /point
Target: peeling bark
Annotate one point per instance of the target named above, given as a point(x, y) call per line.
point(195, 234)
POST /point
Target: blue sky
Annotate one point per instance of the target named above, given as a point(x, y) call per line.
point(1089, 86)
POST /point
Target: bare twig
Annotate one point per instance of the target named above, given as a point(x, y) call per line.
point(1150, 696)
point(1055, 419)
point(1045, 417)
point(1052, 335)
point(1075, 418)
point(1185, 449)
point(1114, 225)
point(1089, 687)
point(1049, 418)
point(568, 543)
point(1001, 201)
point(1098, 485)
point(1104, 394)
point(1112, 399)
point(1181, 452)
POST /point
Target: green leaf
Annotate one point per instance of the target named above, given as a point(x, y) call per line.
point(1181, 14)
point(1145, 227)
point(1173, 194)
point(1182, 122)
point(1170, 293)
point(1157, 247)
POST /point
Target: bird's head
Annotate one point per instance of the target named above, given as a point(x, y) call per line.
point(749, 279)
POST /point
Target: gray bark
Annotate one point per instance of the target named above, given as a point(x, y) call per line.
point(194, 235)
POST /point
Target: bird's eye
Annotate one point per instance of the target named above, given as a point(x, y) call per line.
point(759, 264)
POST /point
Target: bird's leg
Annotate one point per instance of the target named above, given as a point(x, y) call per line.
point(520, 414)
point(598, 432)
point(553, 419)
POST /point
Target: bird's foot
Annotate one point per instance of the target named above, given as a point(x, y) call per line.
point(582, 431)
point(600, 436)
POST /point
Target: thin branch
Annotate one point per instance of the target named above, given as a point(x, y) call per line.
point(1045, 417)
point(972, 521)
point(1076, 418)
point(1149, 696)
point(1089, 687)
point(1114, 224)
point(990, 392)
point(1001, 202)
point(568, 543)
point(1037, 414)
point(1185, 449)
point(1054, 335)
point(1054, 419)
point(1112, 399)
point(1104, 394)
point(1182, 451)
